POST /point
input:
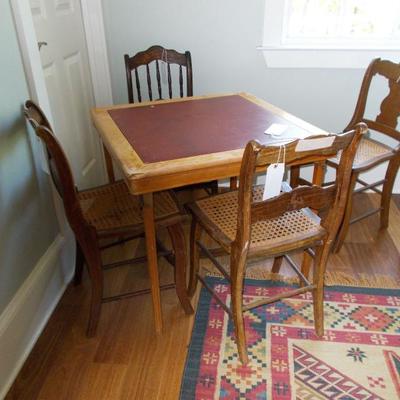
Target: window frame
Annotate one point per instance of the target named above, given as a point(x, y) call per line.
point(314, 55)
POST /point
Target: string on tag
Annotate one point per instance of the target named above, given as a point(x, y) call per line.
point(279, 155)
point(164, 62)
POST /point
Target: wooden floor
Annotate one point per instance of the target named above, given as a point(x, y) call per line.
point(127, 360)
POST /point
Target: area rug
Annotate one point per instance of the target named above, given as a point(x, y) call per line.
point(357, 358)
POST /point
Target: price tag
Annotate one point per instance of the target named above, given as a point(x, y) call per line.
point(273, 180)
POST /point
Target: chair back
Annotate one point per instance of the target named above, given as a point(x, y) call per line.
point(35, 115)
point(331, 198)
point(59, 167)
point(156, 55)
point(386, 121)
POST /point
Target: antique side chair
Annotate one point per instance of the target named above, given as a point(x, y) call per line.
point(245, 226)
point(372, 152)
point(107, 212)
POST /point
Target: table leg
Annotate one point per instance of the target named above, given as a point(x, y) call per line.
point(152, 264)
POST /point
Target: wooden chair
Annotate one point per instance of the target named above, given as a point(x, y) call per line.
point(245, 226)
point(157, 56)
point(107, 212)
point(372, 152)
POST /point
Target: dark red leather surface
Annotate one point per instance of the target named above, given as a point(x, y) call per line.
point(189, 128)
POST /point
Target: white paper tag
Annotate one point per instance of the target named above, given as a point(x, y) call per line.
point(273, 180)
point(276, 129)
point(314, 144)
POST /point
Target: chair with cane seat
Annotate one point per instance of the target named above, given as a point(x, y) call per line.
point(247, 227)
point(372, 152)
point(106, 212)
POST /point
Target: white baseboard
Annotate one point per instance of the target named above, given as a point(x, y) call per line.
point(25, 317)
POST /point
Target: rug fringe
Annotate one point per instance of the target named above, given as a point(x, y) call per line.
point(260, 275)
point(333, 278)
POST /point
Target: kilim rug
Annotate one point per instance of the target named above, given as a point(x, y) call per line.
point(357, 358)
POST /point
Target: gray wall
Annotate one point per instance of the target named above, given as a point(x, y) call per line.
point(222, 37)
point(27, 219)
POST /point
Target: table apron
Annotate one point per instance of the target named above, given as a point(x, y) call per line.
point(141, 184)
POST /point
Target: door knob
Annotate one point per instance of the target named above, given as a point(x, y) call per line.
point(40, 44)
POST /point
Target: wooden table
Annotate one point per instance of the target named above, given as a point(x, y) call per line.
point(171, 143)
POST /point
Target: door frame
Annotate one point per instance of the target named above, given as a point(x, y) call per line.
point(93, 21)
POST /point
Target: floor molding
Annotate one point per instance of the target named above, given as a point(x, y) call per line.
point(25, 317)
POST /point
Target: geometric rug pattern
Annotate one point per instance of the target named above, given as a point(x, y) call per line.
point(357, 358)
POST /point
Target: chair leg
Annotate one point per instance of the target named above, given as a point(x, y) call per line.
point(321, 256)
point(276, 266)
point(306, 264)
point(79, 262)
point(92, 256)
point(195, 235)
point(238, 321)
point(294, 176)
point(344, 227)
point(179, 246)
point(237, 274)
point(390, 177)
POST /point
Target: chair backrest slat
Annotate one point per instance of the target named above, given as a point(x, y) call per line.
point(189, 74)
point(129, 80)
point(157, 54)
point(149, 82)
point(390, 105)
point(313, 197)
point(268, 155)
point(158, 80)
point(180, 81)
point(169, 81)
point(137, 86)
point(378, 126)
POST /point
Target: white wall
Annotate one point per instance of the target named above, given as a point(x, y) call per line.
point(222, 36)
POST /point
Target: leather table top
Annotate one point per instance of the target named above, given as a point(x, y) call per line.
point(181, 129)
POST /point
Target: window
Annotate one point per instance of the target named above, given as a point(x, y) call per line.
point(330, 33)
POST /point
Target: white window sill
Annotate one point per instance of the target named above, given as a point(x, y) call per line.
point(296, 57)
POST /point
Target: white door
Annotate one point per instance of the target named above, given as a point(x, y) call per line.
point(59, 29)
